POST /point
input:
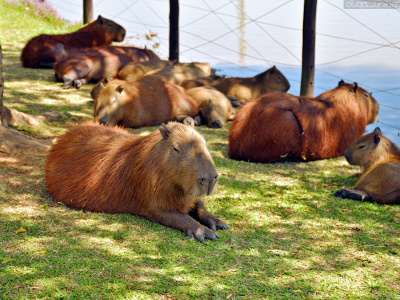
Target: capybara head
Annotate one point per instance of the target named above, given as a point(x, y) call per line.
point(98, 87)
point(185, 156)
point(107, 107)
point(214, 115)
point(368, 101)
point(274, 80)
point(370, 149)
point(114, 32)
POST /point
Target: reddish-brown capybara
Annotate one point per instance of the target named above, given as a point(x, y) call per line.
point(246, 88)
point(178, 72)
point(280, 126)
point(137, 70)
point(81, 66)
point(148, 101)
point(202, 81)
point(161, 176)
point(44, 50)
point(215, 108)
point(380, 180)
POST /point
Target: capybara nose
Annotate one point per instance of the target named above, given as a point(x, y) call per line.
point(103, 121)
point(216, 124)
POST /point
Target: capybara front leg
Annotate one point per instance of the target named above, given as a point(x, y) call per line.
point(185, 223)
point(200, 213)
point(353, 194)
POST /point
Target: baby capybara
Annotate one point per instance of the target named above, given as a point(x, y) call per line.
point(380, 180)
point(280, 127)
point(161, 176)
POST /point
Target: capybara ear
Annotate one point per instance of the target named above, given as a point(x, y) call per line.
point(353, 87)
point(165, 131)
point(341, 82)
point(272, 70)
point(119, 89)
point(377, 130)
point(100, 19)
point(377, 138)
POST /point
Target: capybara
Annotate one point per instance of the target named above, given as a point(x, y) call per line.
point(82, 66)
point(202, 81)
point(44, 50)
point(148, 101)
point(280, 126)
point(97, 88)
point(178, 72)
point(215, 108)
point(380, 180)
point(161, 176)
point(247, 88)
point(137, 70)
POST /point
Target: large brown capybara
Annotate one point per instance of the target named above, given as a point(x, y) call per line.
point(44, 50)
point(247, 88)
point(215, 108)
point(137, 70)
point(162, 176)
point(148, 101)
point(202, 81)
point(279, 126)
point(380, 180)
point(178, 72)
point(82, 66)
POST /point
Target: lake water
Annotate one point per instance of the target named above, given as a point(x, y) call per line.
point(243, 38)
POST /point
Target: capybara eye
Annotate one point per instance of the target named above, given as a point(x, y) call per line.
point(362, 146)
point(202, 181)
point(366, 95)
point(176, 150)
point(216, 178)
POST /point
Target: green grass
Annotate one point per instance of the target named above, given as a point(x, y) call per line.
point(289, 237)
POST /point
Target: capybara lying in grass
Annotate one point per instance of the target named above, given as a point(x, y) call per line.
point(137, 70)
point(44, 50)
point(215, 108)
point(148, 101)
point(380, 180)
point(178, 72)
point(280, 126)
point(82, 66)
point(162, 176)
point(247, 88)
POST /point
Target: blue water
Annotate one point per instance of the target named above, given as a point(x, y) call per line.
point(243, 38)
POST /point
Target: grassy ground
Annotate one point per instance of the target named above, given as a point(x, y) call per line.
point(289, 237)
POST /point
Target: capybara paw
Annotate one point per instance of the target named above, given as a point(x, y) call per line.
point(77, 83)
point(214, 223)
point(343, 193)
point(66, 85)
point(188, 121)
point(197, 120)
point(202, 233)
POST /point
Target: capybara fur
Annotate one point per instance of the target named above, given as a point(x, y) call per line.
point(178, 72)
point(202, 81)
point(82, 66)
point(247, 88)
point(137, 70)
point(161, 176)
point(215, 108)
point(44, 50)
point(148, 101)
point(280, 126)
point(380, 159)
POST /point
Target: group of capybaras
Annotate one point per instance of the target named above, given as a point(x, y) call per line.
point(163, 176)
